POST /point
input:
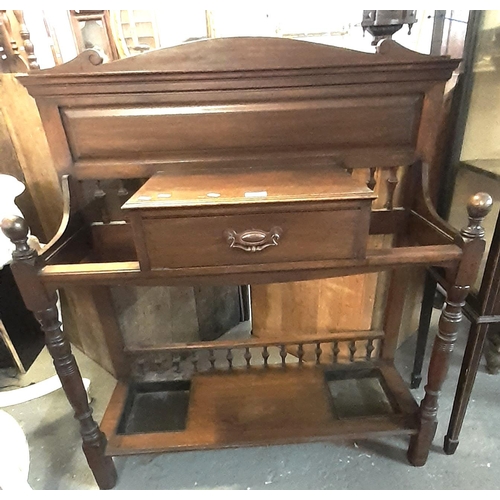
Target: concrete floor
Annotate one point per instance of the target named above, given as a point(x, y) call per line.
point(57, 461)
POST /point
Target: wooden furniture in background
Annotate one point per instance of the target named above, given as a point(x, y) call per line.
point(483, 311)
point(92, 29)
point(135, 31)
point(482, 306)
point(17, 53)
point(196, 134)
point(472, 163)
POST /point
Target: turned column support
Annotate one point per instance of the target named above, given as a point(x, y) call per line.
point(42, 302)
point(28, 44)
point(472, 244)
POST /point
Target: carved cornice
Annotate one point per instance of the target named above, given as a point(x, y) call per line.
point(221, 62)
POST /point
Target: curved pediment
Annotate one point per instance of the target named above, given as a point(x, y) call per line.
point(240, 54)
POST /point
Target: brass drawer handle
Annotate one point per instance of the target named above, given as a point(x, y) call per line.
point(253, 240)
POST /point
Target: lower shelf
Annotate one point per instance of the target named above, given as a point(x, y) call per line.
point(258, 406)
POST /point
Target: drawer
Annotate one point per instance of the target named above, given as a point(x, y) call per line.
point(255, 238)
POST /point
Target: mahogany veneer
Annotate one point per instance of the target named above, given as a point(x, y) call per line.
point(229, 161)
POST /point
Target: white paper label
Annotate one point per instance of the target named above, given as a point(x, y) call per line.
point(256, 194)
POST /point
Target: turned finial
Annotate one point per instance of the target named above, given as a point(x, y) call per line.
point(16, 229)
point(478, 208)
point(28, 44)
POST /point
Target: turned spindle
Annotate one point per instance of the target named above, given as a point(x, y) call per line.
point(247, 356)
point(392, 182)
point(369, 349)
point(211, 358)
point(229, 358)
point(195, 360)
point(283, 354)
point(372, 182)
point(265, 356)
point(176, 363)
point(352, 350)
point(318, 351)
point(335, 352)
point(100, 196)
point(29, 48)
point(123, 193)
point(300, 353)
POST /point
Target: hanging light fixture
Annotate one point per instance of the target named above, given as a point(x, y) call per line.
point(384, 23)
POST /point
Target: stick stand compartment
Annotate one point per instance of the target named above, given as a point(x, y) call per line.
point(155, 407)
point(257, 406)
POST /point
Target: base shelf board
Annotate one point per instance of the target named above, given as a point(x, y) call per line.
point(254, 407)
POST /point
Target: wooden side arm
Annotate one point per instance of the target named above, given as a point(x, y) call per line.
point(71, 243)
point(423, 204)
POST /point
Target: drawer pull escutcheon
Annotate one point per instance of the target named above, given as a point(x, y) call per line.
point(253, 240)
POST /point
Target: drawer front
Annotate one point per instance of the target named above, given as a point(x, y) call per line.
point(255, 238)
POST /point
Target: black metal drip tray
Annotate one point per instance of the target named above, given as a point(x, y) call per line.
point(360, 394)
point(155, 407)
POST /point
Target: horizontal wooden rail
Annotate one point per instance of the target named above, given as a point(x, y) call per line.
point(242, 343)
point(148, 164)
point(109, 273)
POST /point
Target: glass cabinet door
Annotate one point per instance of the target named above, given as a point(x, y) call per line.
point(478, 165)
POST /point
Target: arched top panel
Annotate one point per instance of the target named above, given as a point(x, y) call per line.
point(240, 54)
point(235, 57)
point(248, 100)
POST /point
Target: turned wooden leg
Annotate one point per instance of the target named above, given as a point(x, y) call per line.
point(472, 242)
point(42, 301)
point(449, 321)
point(468, 371)
point(94, 441)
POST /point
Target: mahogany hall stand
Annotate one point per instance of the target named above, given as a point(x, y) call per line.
point(230, 161)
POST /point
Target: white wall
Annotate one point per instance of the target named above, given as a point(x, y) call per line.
point(179, 22)
point(482, 132)
point(59, 19)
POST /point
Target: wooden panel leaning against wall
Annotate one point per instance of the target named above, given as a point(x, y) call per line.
point(24, 152)
point(25, 155)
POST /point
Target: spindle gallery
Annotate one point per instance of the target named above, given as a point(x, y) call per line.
point(237, 161)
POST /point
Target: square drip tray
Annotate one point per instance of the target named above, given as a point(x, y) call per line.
point(359, 394)
point(155, 407)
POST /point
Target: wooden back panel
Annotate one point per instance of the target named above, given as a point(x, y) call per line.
point(170, 131)
point(265, 101)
